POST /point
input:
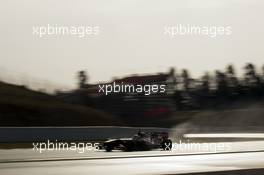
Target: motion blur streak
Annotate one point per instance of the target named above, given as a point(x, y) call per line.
point(225, 135)
point(149, 165)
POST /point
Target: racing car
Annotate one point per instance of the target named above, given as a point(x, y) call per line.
point(140, 142)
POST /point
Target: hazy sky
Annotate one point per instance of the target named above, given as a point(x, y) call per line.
point(131, 38)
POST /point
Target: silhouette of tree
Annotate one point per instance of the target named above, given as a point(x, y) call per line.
point(172, 73)
point(82, 78)
point(232, 81)
point(204, 93)
point(186, 80)
point(222, 88)
point(251, 77)
point(231, 75)
point(252, 81)
point(206, 83)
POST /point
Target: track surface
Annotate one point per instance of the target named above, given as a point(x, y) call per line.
point(154, 162)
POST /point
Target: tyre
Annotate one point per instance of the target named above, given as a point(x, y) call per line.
point(108, 148)
point(129, 146)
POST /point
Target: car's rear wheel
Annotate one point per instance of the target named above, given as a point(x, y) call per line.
point(129, 147)
point(108, 148)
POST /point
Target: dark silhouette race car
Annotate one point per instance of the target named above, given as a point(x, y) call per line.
point(140, 142)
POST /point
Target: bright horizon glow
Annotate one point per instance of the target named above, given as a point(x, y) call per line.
point(131, 39)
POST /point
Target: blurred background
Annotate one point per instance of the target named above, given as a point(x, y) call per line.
point(210, 82)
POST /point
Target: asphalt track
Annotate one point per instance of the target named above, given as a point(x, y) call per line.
point(243, 155)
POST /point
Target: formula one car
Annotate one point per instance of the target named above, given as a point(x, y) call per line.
point(140, 142)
